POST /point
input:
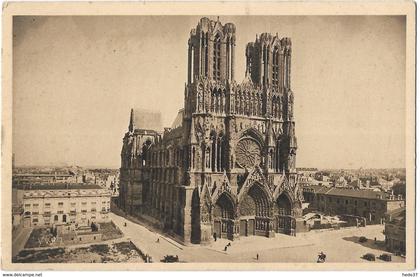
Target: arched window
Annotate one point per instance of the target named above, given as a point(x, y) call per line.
point(221, 153)
point(237, 98)
point(205, 52)
point(228, 57)
point(276, 107)
point(241, 102)
point(223, 102)
point(206, 59)
point(212, 101)
point(251, 104)
point(275, 79)
point(216, 57)
point(264, 64)
point(214, 153)
point(246, 99)
point(255, 101)
point(193, 157)
point(258, 100)
point(270, 159)
point(217, 106)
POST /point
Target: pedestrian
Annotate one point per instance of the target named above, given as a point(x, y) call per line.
point(226, 248)
point(258, 256)
point(215, 236)
point(321, 257)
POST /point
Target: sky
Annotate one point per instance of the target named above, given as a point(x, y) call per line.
point(75, 80)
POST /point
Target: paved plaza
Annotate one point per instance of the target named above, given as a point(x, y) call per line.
point(339, 245)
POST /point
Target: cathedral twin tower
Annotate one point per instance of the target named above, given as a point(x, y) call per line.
point(211, 56)
point(227, 166)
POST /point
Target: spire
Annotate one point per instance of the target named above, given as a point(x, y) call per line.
point(131, 124)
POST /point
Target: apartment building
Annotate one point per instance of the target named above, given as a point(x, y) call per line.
point(48, 205)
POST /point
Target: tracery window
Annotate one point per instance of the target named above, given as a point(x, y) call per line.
point(248, 153)
point(276, 66)
point(265, 60)
point(218, 153)
point(206, 70)
point(216, 57)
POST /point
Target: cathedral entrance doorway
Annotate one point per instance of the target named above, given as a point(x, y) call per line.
point(254, 210)
point(284, 220)
point(243, 228)
point(224, 217)
point(247, 227)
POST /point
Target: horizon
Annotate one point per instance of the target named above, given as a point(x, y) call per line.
point(349, 113)
point(297, 168)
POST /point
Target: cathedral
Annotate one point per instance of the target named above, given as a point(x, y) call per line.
point(226, 167)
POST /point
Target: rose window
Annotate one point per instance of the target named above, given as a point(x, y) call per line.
point(248, 153)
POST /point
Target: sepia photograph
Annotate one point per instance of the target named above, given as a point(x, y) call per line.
point(230, 137)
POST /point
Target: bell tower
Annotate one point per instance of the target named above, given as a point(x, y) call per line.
point(211, 51)
point(268, 61)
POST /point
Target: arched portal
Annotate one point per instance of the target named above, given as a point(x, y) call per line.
point(285, 222)
point(284, 205)
point(254, 210)
point(224, 217)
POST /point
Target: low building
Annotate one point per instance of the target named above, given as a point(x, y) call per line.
point(307, 181)
point(371, 205)
point(395, 231)
point(40, 178)
point(52, 204)
point(70, 233)
point(307, 172)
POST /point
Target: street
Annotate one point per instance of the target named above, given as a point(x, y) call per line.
point(338, 245)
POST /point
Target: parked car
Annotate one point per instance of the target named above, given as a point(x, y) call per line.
point(170, 259)
point(362, 239)
point(369, 257)
point(385, 257)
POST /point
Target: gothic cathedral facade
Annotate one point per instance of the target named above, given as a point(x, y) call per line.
point(228, 168)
